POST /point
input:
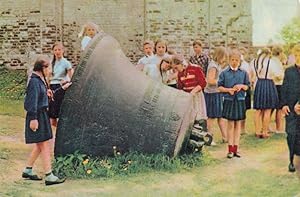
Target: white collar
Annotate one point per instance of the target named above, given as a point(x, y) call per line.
point(234, 69)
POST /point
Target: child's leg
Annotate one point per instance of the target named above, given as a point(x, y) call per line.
point(230, 129)
point(33, 155)
point(279, 120)
point(243, 124)
point(237, 132)
point(53, 122)
point(266, 121)
point(257, 122)
point(210, 122)
point(46, 155)
point(297, 165)
point(28, 172)
point(230, 137)
point(222, 125)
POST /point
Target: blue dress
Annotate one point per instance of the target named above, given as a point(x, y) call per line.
point(36, 104)
point(234, 107)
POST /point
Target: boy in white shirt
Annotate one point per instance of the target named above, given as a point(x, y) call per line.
point(147, 59)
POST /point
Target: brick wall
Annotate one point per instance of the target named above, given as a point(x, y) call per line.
point(30, 27)
point(180, 22)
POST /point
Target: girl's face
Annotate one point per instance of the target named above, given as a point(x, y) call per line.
point(161, 49)
point(148, 49)
point(58, 51)
point(234, 61)
point(165, 66)
point(178, 67)
point(197, 49)
point(223, 62)
point(47, 68)
point(90, 31)
point(297, 58)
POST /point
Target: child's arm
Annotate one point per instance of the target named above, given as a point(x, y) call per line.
point(201, 78)
point(245, 85)
point(240, 87)
point(196, 89)
point(211, 76)
point(201, 81)
point(297, 108)
point(179, 82)
point(221, 84)
point(284, 94)
point(227, 90)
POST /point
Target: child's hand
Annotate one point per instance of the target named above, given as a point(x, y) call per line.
point(231, 91)
point(62, 82)
point(66, 86)
point(297, 109)
point(286, 110)
point(238, 87)
point(34, 125)
point(140, 67)
point(50, 94)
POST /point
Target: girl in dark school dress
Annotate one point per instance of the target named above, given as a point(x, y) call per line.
point(290, 102)
point(37, 125)
point(234, 82)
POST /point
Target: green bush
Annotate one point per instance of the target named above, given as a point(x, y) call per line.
point(12, 83)
point(82, 166)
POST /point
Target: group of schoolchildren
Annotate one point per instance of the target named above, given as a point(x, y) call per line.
point(220, 85)
point(218, 89)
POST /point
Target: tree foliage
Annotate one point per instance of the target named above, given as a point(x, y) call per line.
point(290, 33)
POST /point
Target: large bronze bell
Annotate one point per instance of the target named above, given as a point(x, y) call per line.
point(111, 103)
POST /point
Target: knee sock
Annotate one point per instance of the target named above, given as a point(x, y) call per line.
point(230, 148)
point(235, 148)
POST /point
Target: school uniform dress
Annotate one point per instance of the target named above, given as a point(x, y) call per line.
point(265, 93)
point(202, 60)
point(234, 107)
point(60, 70)
point(213, 97)
point(188, 79)
point(290, 95)
point(36, 104)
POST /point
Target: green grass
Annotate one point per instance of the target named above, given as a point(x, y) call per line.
point(12, 91)
point(262, 170)
point(81, 166)
point(11, 107)
point(12, 83)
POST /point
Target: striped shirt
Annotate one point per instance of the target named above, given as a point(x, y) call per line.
point(191, 77)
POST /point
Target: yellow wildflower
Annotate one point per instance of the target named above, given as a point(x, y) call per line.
point(85, 162)
point(129, 161)
point(89, 171)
